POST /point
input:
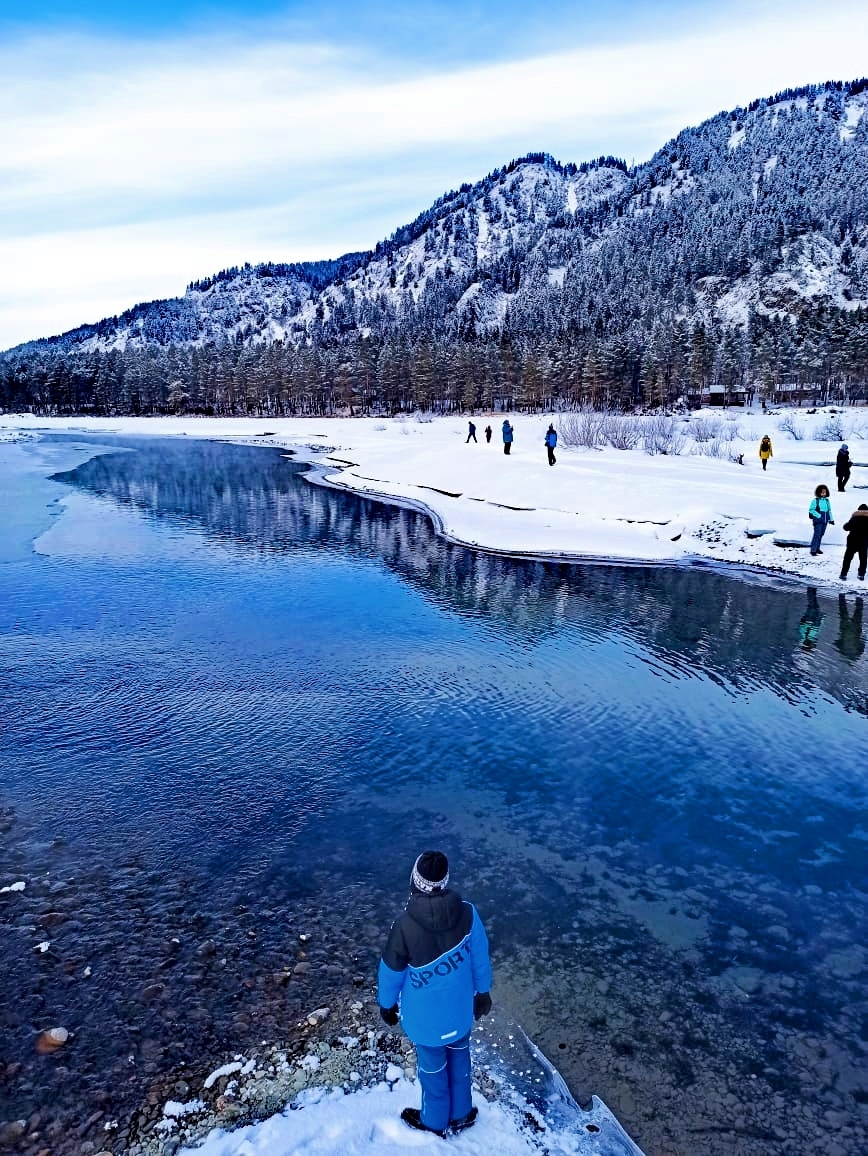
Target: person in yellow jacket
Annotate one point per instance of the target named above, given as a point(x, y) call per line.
point(765, 450)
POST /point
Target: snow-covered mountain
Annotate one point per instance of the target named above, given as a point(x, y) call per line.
point(763, 208)
point(755, 219)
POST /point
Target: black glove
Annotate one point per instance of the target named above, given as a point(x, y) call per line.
point(481, 1004)
point(390, 1015)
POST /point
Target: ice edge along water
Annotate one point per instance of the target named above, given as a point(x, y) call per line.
point(596, 504)
point(341, 1121)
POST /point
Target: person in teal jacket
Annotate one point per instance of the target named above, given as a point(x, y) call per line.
point(508, 434)
point(435, 975)
point(820, 513)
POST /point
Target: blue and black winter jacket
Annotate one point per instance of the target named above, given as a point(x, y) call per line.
point(435, 961)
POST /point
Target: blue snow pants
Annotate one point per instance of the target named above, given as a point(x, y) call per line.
point(444, 1074)
point(820, 525)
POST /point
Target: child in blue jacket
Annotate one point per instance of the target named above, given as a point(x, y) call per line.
point(820, 513)
point(435, 975)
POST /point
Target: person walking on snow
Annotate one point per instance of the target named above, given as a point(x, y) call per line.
point(471, 432)
point(488, 433)
point(435, 975)
point(842, 467)
point(507, 436)
point(551, 440)
point(820, 513)
point(857, 542)
point(765, 450)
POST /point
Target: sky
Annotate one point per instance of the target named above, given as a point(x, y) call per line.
point(143, 146)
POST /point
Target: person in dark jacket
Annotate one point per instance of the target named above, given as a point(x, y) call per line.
point(471, 432)
point(551, 440)
point(435, 975)
point(488, 433)
point(507, 431)
point(842, 468)
point(857, 542)
point(820, 513)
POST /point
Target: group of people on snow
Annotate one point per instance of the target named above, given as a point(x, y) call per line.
point(820, 512)
point(508, 435)
point(842, 461)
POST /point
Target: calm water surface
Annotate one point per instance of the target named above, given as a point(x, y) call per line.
point(235, 705)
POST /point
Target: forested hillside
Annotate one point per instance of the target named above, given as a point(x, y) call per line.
point(735, 260)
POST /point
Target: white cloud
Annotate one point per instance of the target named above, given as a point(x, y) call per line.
point(127, 169)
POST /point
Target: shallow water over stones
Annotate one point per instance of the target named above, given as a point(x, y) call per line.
point(235, 705)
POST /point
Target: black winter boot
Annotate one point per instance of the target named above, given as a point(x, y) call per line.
point(465, 1122)
point(412, 1117)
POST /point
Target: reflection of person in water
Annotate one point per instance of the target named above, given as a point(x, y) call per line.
point(811, 620)
point(850, 640)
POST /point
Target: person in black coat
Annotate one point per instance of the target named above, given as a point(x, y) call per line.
point(471, 432)
point(857, 542)
point(842, 467)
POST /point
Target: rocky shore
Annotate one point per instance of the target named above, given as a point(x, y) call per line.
point(330, 1047)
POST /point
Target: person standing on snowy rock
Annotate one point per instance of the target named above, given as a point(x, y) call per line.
point(435, 976)
point(507, 431)
point(765, 450)
point(820, 513)
point(551, 440)
point(857, 542)
point(842, 468)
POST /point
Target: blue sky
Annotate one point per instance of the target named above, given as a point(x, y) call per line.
point(444, 30)
point(143, 146)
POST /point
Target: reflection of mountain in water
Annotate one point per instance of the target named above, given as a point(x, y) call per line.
point(737, 632)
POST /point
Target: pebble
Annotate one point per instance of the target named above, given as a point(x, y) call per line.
point(12, 1132)
point(51, 1040)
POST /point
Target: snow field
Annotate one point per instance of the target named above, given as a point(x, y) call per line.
point(601, 503)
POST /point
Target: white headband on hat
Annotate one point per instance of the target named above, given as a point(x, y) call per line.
point(426, 886)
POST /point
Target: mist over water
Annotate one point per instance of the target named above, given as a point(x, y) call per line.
point(236, 704)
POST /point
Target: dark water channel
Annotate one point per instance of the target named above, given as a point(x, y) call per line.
point(234, 705)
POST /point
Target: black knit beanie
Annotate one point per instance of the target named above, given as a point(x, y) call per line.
point(430, 872)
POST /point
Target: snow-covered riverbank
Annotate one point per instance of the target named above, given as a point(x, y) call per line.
point(602, 503)
point(338, 1088)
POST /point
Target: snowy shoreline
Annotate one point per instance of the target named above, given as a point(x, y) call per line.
point(339, 1082)
point(694, 506)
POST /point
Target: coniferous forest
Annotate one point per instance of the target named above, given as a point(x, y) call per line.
point(733, 263)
